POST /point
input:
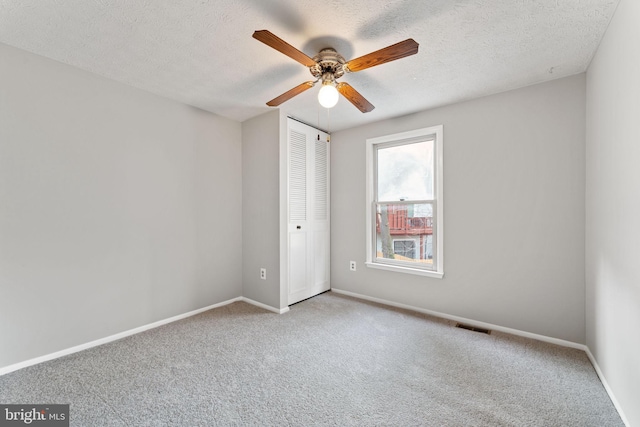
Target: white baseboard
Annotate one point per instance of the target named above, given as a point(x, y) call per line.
point(511, 331)
point(472, 322)
point(603, 380)
point(265, 306)
point(77, 348)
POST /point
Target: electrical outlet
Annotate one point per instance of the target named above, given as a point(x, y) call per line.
point(352, 265)
point(263, 273)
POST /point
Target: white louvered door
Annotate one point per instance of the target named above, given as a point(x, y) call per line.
point(308, 211)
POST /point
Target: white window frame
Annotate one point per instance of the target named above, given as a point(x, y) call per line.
point(436, 134)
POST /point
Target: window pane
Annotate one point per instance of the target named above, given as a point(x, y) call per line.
point(405, 248)
point(405, 172)
point(404, 232)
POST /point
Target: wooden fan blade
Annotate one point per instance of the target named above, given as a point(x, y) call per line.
point(290, 94)
point(388, 54)
point(354, 97)
point(282, 46)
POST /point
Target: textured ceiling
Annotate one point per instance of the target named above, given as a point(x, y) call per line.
point(201, 53)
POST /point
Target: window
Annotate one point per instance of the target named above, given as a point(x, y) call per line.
point(404, 202)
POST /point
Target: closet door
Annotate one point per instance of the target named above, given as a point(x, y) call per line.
point(308, 211)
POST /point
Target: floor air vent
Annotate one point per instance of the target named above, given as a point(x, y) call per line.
point(473, 328)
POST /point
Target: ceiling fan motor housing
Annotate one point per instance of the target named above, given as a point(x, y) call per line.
point(328, 61)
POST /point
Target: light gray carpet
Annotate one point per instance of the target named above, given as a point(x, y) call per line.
point(332, 360)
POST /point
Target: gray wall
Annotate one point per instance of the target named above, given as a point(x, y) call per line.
point(514, 211)
point(117, 207)
point(261, 208)
point(613, 208)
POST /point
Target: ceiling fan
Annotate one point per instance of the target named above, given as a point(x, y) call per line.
point(328, 66)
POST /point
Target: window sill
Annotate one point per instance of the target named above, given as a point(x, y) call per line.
point(407, 270)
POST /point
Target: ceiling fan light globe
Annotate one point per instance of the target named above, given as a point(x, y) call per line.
point(328, 96)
